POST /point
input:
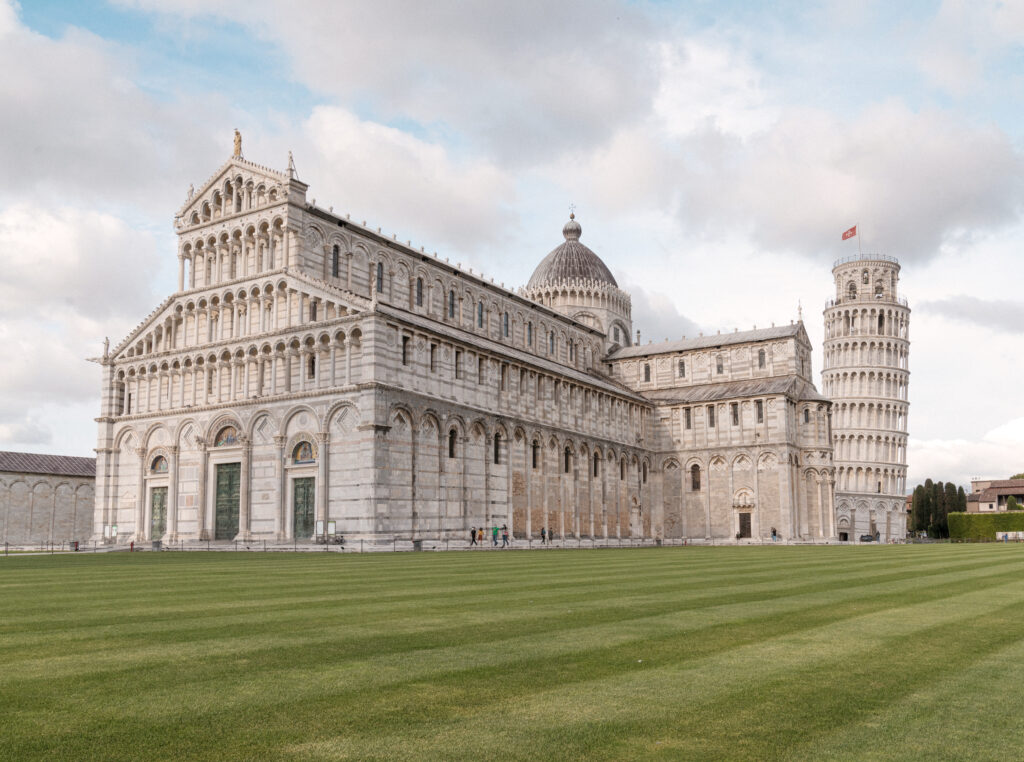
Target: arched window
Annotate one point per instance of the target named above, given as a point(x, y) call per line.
point(760, 358)
point(864, 277)
point(719, 364)
point(881, 323)
point(695, 478)
point(535, 453)
point(312, 366)
point(380, 277)
point(645, 473)
point(647, 372)
point(451, 304)
point(480, 314)
point(226, 437)
point(159, 465)
point(851, 290)
point(597, 462)
point(568, 457)
point(529, 334)
point(451, 443)
point(419, 292)
point(615, 336)
point(551, 343)
point(497, 449)
point(335, 262)
point(504, 324)
point(303, 453)
point(878, 289)
point(807, 415)
point(622, 469)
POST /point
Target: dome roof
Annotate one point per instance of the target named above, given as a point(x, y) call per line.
point(570, 261)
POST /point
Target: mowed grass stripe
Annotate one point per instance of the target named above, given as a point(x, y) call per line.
point(424, 654)
point(238, 633)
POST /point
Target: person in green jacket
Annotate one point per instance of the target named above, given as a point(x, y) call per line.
point(494, 535)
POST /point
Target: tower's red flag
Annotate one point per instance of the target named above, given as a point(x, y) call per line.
point(850, 233)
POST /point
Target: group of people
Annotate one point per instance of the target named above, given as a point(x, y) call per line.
point(547, 536)
point(476, 536)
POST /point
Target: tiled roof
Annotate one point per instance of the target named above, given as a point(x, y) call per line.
point(703, 342)
point(792, 386)
point(36, 463)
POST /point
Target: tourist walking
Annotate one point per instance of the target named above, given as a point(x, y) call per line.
point(494, 535)
point(504, 536)
point(543, 536)
point(551, 535)
point(472, 536)
point(480, 535)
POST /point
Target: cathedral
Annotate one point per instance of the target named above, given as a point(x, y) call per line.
point(311, 378)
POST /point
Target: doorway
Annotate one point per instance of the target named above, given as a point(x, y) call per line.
point(744, 525)
point(157, 512)
point(303, 494)
point(228, 483)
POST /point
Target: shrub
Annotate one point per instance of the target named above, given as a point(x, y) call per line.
point(984, 526)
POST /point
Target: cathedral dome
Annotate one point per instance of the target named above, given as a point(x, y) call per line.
point(570, 261)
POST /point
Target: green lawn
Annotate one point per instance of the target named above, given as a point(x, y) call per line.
point(891, 652)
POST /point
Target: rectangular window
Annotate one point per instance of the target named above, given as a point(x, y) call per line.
point(335, 262)
point(419, 292)
point(529, 334)
point(433, 358)
point(458, 363)
point(405, 350)
point(759, 405)
point(719, 366)
point(480, 365)
point(451, 304)
point(504, 376)
point(682, 369)
point(687, 414)
point(647, 372)
point(735, 413)
point(312, 311)
point(480, 315)
point(711, 416)
point(504, 327)
point(380, 277)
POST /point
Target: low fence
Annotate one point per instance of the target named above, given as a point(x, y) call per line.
point(398, 546)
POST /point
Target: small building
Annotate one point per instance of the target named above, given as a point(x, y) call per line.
point(45, 498)
point(990, 495)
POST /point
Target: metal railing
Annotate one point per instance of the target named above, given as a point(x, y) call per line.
point(867, 299)
point(864, 257)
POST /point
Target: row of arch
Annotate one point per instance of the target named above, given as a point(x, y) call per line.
point(887, 353)
point(235, 195)
point(847, 321)
point(293, 364)
point(45, 509)
point(884, 481)
point(885, 385)
point(258, 309)
point(869, 415)
point(868, 447)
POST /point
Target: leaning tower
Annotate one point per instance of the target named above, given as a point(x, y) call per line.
point(865, 373)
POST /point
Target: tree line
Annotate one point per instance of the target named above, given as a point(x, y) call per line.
point(931, 504)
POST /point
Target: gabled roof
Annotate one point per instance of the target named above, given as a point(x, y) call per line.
point(217, 176)
point(335, 292)
point(705, 342)
point(36, 463)
point(791, 386)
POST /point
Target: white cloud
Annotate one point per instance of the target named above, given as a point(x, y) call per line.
point(964, 37)
point(71, 278)
point(77, 128)
point(998, 455)
point(381, 173)
point(525, 80)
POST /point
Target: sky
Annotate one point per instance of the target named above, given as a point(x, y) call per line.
point(714, 153)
